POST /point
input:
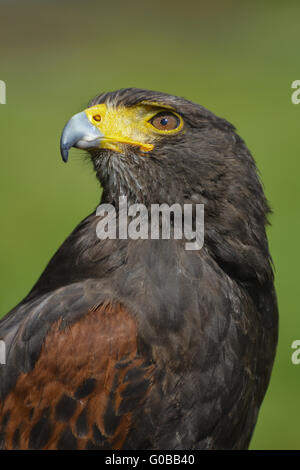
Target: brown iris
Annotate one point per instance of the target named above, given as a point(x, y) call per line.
point(165, 121)
point(97, 117)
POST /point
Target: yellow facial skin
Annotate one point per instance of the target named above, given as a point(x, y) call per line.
point(129, 125)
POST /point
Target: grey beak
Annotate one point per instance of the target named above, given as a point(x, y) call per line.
point(79, 132)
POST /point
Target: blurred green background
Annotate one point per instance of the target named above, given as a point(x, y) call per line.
point(236, 58)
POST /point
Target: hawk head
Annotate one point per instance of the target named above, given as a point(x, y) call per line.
point(157, 148)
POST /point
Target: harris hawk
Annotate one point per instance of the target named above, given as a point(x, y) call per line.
point(140, 343)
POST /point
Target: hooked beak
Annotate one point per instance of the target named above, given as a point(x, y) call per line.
point(79, 132)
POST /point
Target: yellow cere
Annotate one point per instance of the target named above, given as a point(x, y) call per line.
point(129, 125)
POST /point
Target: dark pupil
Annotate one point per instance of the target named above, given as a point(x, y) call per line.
point(164, 121)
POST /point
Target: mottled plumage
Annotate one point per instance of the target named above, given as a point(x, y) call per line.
point(141, 344)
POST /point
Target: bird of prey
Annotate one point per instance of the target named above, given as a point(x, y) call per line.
point(140, 343)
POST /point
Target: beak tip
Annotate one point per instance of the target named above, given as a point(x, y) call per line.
point(64, 151)
point(79, 133)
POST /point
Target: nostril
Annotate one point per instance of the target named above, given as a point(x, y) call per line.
point(97, 117)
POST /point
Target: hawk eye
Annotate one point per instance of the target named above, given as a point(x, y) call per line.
point(165, 121)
